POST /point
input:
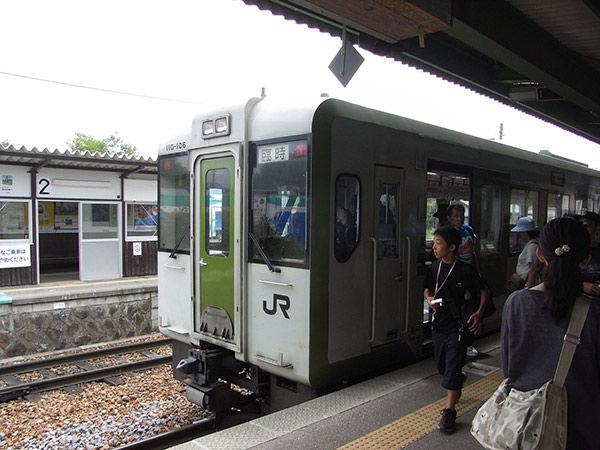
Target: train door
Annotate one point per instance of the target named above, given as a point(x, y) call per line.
point(389, 273)
point(490, 201)
point(214, 247)
point(99, 241)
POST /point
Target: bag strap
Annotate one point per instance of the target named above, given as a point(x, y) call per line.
point(571, 339)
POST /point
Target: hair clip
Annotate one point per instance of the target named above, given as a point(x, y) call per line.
point(564, 249)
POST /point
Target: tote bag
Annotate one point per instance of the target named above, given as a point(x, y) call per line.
point(523, 420)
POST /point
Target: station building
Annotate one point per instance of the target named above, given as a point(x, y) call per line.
point(92, 216)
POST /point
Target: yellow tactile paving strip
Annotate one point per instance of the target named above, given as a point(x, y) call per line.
point(62, 284)
point(417, 424)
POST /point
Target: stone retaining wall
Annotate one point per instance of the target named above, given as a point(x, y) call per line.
point(46, 320)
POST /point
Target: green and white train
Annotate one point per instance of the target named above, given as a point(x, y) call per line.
point(294, 239)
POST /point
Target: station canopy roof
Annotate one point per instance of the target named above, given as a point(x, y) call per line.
point(539, 56)
point(37, 159)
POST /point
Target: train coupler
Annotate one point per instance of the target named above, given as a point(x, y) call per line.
point(218, 398)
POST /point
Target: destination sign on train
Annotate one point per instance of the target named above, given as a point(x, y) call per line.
point(273, 153)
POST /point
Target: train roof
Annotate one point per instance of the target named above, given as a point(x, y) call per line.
point(365, 114)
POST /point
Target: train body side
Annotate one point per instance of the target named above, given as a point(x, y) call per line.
point(339, 315)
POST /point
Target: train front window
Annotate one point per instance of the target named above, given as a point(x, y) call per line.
point(174, 203)
point(279, 181)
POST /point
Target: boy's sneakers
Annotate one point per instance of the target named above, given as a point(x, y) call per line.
point(447, 422)
point(472, 352)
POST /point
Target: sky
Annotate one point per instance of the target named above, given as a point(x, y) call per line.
point(174, 59)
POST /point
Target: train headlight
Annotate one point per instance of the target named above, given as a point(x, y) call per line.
point(216, 126)
point(208, 128)
point(222, 125)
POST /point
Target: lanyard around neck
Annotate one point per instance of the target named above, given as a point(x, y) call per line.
point(437, 278)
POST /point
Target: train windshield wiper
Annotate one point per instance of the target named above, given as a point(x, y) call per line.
point(262, 254)
point(183, 233)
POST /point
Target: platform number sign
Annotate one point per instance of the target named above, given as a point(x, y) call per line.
point(44, 186)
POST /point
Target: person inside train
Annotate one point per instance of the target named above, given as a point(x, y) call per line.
point(455, 215)
point(591, 272)
point(440, 214)
point(527, 263)
point(456, 320)
point(534, 322)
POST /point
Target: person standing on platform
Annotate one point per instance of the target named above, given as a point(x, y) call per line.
point(534, 323)
point(527, 262)
point(591, 272)
point(456, 320)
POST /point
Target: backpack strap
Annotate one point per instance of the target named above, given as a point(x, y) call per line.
point(571, 339)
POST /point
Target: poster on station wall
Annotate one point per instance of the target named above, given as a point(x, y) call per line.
point(54, 216)
point(14, 255)
point(46, 216)
point(6, 183)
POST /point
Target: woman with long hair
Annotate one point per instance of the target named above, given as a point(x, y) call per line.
point(534, 323)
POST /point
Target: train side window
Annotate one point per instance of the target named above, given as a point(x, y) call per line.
point(491, 220)
point(387, 245)
point(347, 216)
point(217, 203)
point(523, 203)
point(558, 204)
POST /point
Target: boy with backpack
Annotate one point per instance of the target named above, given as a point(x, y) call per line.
point(454, 291)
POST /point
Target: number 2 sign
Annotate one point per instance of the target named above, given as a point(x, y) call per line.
point(44, 186)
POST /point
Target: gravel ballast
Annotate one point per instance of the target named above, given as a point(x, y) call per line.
point(100, 416)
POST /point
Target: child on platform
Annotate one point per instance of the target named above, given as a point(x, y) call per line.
point(453, 290)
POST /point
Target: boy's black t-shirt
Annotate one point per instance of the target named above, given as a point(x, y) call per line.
point(462, 279)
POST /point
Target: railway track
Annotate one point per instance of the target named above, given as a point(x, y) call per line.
point(85, 372)
point(174, 437)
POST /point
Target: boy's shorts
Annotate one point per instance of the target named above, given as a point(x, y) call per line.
point(449, 356)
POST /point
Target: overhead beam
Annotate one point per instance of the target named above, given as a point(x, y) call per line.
point(499, 31)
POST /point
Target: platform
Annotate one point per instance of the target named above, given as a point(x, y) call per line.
point(67, 314)
point(397, 410)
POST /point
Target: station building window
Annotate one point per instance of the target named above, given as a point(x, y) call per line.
point(100, 221)
point(14, 220)
point(142, 221)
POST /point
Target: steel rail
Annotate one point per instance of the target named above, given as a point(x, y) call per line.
point(30, 366)
point(173, 437)
point(13, 392)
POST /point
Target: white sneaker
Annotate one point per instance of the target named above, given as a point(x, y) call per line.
point(472, 352)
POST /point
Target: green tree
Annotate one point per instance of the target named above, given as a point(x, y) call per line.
point(113, 145)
